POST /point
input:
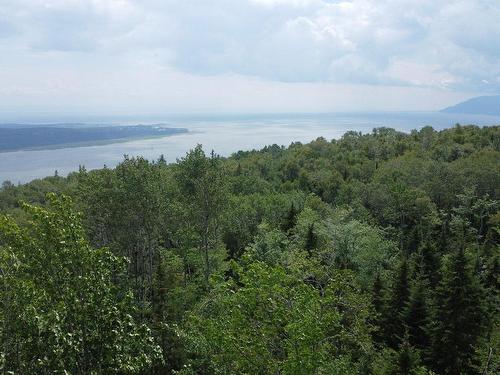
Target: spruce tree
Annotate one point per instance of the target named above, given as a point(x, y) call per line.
point(408, 359)
point(394, 322)
point(427, 264)
point(457, 319)
point(311, 240)
point(290, 219)
point(416, 313)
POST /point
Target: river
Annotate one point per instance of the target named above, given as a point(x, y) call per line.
point(224, 134)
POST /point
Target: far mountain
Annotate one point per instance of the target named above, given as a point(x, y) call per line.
point(481, 105)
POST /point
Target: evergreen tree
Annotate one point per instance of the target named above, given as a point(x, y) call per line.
point(403, 361)
point(457, 319)
point(311, 240)
point(416, 313)
point(427, 264)
point(408, 359)
point(290, 220)
point(161, 160)
point(394, 322)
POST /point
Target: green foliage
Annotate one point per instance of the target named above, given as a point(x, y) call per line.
point(270, 321)
point(203, 198)
point(457, 322)
point(282, 260)
point(404, 361)
point(61, 311)
point(416, 313)
point(394, 316)
point(125, 210)
point(345, 243)
point(270, 245)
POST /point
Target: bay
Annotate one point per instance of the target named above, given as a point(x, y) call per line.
point(225, 134)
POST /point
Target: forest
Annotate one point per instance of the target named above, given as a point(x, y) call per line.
point(371, 254)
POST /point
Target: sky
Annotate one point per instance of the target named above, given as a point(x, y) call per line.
point(132, 57)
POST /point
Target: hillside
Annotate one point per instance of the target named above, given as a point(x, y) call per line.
point(481, 105)
point(372, 254)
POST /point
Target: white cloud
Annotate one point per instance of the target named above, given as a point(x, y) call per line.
point(417, 74)
point(437, 45)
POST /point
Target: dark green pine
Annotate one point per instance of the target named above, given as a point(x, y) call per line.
point(456, 324)
point(394, 322)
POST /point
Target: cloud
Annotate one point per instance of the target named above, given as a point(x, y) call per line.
point(440, 45)
point(343, 41)
point(87, 88)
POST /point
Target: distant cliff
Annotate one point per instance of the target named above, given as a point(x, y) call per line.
point(481, 105)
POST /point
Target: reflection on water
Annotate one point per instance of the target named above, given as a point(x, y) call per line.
point(224, 134)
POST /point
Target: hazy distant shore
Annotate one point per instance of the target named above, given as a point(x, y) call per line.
point(29, 138)
point(225, 134)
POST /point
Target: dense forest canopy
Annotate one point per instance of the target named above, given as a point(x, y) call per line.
point(372, 254)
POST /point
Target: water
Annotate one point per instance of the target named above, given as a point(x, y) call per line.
point(224, 134)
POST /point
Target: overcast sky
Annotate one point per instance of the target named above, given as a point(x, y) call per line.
point(165, 56)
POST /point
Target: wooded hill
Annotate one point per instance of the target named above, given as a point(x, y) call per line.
point(372, 254)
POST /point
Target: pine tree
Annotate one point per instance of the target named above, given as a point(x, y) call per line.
point(408, 360)
point(456, 324)
point(394, 323)
point(405, 360)
point(290, 219)
point(416, 313)
point(311, 240)
point(427, 264)
point(161, 160)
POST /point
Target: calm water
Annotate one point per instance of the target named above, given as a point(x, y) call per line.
point(224, 134)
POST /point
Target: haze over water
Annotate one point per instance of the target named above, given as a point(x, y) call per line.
point(224, 134)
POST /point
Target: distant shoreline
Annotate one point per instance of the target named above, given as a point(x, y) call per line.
point(225, 135)
point(19, 139)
